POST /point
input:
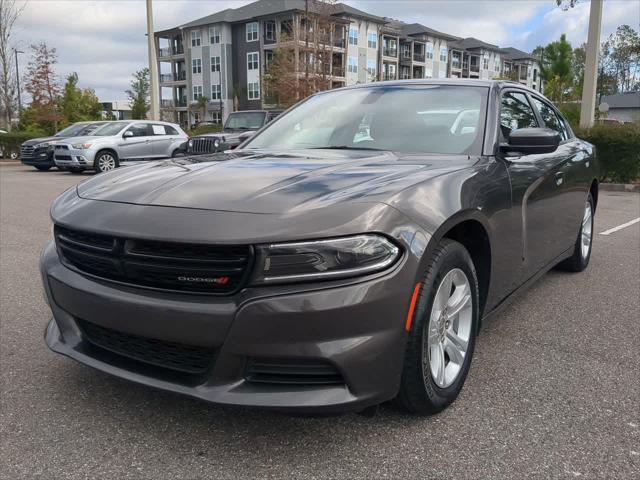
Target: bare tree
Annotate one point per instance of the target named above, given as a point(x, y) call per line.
point(9, 13)
point(42, 84)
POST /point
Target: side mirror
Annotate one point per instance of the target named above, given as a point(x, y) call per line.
point(128, 133)
point(528, 141)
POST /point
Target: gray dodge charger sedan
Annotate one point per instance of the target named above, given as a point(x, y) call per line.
point(344, 256)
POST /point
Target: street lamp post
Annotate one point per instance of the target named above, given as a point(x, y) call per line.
point(153, 65)
point(587, 111)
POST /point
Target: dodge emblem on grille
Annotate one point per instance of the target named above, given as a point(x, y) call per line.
point(217, 280)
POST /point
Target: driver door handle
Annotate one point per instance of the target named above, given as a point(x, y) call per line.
point(559, 178)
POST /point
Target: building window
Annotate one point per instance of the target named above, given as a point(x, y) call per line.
point(197, 92)
point(252, 61)
point(252, 31)
point(535, 74)
point(196, 65)
point(268, 59)
point(443, 54)
point(455, 59)
point(195, 38)
point(353, 35)
point(371, 67)
point(215, 117)
point(215, 64)
point(352, 65)
point(429, 54)
point(496, 65)
point(372, 40)
point(270, 30)
point(216, 92)
point(485, 63)
point(214, 34)
point(253, 91)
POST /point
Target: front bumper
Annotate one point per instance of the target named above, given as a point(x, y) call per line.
point(356, 327)
point(41, 157)
point(72, 158)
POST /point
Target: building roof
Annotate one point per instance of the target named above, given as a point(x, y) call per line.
point(471, 43)
point(261, 8)
point(511, 53)
point(411, 29)
point(622, 100)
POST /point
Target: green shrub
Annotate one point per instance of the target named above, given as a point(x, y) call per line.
point(202, 129)
point(10, 142)
point(571, 112)
point(617, 149)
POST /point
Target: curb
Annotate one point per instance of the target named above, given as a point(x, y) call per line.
point(9, 163)
point(620, 187)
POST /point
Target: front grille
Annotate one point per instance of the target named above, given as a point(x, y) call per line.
point(171, 355)
point(203, 145)
point(63, 157)
point(181, 267)
point(27, 151)
point(292, 372)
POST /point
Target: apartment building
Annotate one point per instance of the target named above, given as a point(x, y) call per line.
point(225, 56)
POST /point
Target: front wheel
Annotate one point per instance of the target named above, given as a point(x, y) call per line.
point(442, 333)
point(43, 168)
point(105, 162)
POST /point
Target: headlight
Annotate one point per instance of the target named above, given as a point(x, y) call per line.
point(216, 142)
point(324, 259)
point(45, 144)
point(190, 143)
point(81, 146)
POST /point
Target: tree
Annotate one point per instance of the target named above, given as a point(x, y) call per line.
point(621, 57)
point(42, 85)
point(303, 59)
point(556, 69)
point(9, 13)
point(201, 105)
point(78, 104)
point(139, 94)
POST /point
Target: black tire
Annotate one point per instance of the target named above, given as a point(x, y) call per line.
point(101, 160)
point(43, 168)
point(419, 393)
point(177, 153)
point(578, 262)
point(75, 170)
point(62, 169)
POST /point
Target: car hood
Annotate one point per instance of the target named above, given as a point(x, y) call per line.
point(268, 182)
point(35, 141)
point(230, 135)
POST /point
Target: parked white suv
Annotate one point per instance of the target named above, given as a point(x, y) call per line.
point(119, 141)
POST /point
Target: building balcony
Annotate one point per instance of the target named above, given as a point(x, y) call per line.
point(337, 71)
point(405, 55)
point(168, 52)
point(390, 52)
point(170, 104)
point(418, 57)
point(173, 77)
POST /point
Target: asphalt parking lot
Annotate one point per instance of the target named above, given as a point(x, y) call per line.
point(553, 392)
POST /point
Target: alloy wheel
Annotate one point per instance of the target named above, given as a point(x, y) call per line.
point(106, 162)
point(449, 330)
point(586, 231)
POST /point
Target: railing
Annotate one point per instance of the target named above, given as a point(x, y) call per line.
point(405, 55)
point(339, 43)
point(389, 76)
point(418, 57)
point(337, 71)
point(169, 51)
point(390, 52)
point(168, 103)
point(173, 77)
point(475, 67)
point(165, 52)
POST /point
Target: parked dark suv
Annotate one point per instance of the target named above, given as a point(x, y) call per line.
point(239, 127)
point(38, 152)
point(344, 256)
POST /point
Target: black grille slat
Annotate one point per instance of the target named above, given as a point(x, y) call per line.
point(203, 145)
point(171, 355)
point(292, 372)
point(180, 267)
point(27, 151)
point(63, 157)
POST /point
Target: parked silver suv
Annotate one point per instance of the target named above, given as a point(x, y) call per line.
point(115, 142)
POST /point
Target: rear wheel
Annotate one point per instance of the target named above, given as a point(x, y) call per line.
point(582, 248)
point(105, 161)
point(443, 332)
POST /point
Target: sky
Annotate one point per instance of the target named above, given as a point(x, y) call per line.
point(104, 40)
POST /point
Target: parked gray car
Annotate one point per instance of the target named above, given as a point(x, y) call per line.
point(115, 142)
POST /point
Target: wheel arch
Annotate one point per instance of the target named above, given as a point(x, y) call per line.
point(107, 149)
point(471, 229)
point(593, 189)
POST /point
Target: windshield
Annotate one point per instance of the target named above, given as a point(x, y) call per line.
point(401, 118)
point(72, 130)
point(245, 120)
point(109, 129)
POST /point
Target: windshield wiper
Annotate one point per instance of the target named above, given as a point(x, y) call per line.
point(345, 147)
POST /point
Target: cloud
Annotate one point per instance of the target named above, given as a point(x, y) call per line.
point(104, 40)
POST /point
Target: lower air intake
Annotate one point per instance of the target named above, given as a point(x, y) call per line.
point(292, 372)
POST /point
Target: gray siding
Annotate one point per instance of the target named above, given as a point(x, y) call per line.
point(241, 48)
point(362, 65)
point(206, 72)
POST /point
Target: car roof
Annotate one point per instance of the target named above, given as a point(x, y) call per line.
point(157, 122)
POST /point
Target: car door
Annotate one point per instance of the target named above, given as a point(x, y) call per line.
point(136, 142)
point(161, 141)
point(536, 188)
point(573, 174)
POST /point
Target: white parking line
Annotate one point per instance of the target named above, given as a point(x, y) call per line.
point(620, 227)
